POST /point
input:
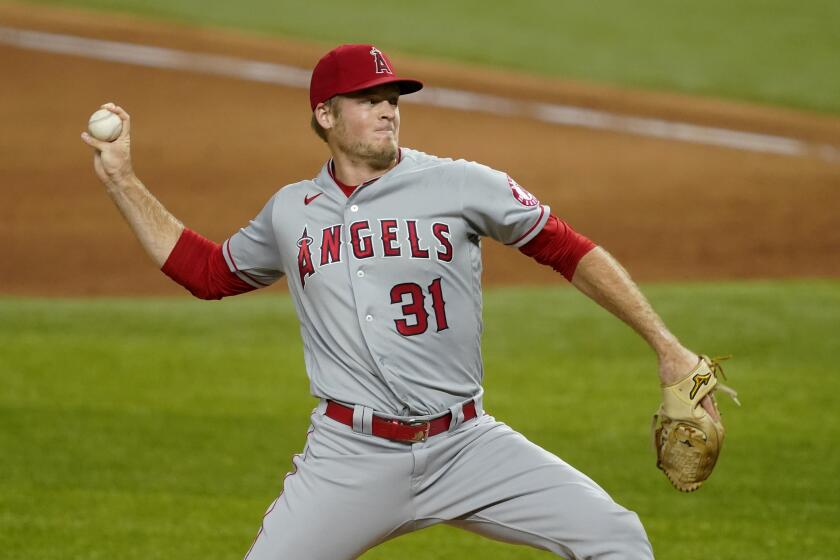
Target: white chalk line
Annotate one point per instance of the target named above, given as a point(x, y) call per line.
point(290, 76)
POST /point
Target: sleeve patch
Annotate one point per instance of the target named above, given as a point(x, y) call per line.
point(520, 194)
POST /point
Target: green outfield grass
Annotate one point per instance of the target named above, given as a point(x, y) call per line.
point(152, 429)
point(771, 51)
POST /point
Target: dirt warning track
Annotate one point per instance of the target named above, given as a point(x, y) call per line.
point(214, 148)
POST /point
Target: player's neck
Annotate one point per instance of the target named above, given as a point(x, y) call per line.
point(351, 171)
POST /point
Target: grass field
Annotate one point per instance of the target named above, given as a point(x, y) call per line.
point(162, 428)
point(770, 51)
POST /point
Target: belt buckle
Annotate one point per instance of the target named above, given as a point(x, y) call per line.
point(422, 432)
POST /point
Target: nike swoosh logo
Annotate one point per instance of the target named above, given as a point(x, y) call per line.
point(307, 199)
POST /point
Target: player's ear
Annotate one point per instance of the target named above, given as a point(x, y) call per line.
point(325, 115)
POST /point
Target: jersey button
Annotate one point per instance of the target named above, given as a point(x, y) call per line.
point(369, 318)
point(354, 208)
point(361, 274)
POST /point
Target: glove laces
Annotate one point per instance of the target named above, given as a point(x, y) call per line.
point(717, 370)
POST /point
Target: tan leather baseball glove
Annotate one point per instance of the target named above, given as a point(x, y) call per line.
point(687, 439)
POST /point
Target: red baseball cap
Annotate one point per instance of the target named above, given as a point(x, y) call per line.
point(350, 68)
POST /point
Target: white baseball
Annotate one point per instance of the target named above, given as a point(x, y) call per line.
point(104, 125)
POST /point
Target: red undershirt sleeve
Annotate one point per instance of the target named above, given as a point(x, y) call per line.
point(558, 246)
point(197, 264)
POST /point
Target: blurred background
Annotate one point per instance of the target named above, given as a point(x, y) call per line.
point(698, 143)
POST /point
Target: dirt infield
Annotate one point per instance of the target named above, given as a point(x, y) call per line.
point(214, 149)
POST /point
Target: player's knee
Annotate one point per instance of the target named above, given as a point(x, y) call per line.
point(630, 541)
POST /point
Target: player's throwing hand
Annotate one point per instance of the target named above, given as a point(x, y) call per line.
point(112, 160)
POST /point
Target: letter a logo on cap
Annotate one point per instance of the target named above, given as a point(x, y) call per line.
point(379, 60)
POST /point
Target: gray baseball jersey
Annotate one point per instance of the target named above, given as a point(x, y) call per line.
point(387, 282)
point(387, 286)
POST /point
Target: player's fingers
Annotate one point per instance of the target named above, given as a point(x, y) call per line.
point(93, 142)
point(123, 115)
point(97, 164)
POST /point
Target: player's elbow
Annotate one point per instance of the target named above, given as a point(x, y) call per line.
point(198, 265)
point(205, 293)
point(558, 246)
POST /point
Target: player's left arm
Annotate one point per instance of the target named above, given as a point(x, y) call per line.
point(497, 206)
point(604, 280)
point(593, 271)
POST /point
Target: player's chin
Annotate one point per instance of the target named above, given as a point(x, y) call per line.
point(382, 154)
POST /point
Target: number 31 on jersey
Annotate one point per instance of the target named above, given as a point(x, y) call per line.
point(415, 307)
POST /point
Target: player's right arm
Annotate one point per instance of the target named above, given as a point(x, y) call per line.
point(189, 259)
point(155, 227)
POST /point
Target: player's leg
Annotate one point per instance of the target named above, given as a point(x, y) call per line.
point(497, 483)
point(347, 493)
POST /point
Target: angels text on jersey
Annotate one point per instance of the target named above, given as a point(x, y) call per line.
point(386, 238)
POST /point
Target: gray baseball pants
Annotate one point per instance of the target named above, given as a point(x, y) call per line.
point(350, 491)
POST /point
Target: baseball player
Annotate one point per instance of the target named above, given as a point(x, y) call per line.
point(381, 252)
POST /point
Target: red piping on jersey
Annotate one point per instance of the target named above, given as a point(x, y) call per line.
point(226, 247)
point(524, 235)
point(198, 264)
point(349, 189)
point(559, 246)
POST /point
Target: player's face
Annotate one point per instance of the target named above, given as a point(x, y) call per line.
point(368, 125)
